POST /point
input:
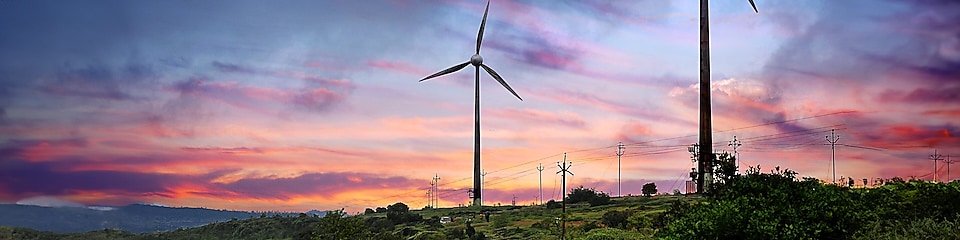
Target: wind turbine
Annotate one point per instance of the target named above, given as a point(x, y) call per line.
point(706, 132)
point(477, 63)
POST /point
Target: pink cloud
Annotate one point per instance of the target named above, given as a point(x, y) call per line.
point(538, 117)
point(398, 66)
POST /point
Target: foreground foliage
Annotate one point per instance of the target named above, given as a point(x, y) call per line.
point(780, 206)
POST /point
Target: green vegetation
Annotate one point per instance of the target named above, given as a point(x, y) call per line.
point(775, 205)
point(780, 206)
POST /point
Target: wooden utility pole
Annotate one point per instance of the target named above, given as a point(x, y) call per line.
point(540, 168)
point(477, 200)
point(935, 157)
point(620, 149)
point(948, 162)
point(564, 169)
point(832, 139)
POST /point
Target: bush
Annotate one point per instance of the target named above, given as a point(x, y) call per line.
point(615, 219)
point(336, 225)
point(396, 212)
point(589, 195)
point(779, 206)
point(926, 228)
point(611, 234)
point(553, 204)
point(639, 222)
point(770, 206)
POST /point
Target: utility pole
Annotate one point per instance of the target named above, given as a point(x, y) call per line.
point(430, 197)
point(431, 193)
point(736, 144)
point(832, 139)
point(483, 175)
point(948, 162)
point(540, 168)
point(935, 157)
point(564, 169)
point(514, 202)
point(694, 149)
point(620, 149)
point(436, 191)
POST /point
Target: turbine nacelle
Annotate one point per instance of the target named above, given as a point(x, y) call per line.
point(476, 60)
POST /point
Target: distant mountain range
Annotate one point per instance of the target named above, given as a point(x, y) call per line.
point(136, 218)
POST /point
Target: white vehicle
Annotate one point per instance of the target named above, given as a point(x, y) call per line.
point(445, 220)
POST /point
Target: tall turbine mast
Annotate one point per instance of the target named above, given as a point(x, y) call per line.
point(706, 132)
point(477, 63)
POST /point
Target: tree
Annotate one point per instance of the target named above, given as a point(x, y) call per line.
point(368, 211)
point(397, 212)
point(649, 189)
point(582, 194)
point(337, 225)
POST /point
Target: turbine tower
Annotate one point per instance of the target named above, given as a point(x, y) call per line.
point(706, 131)
point(477, 63)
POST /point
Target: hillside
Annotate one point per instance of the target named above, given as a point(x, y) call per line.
point(506, 222)
point(135, 218)
point(756, 205)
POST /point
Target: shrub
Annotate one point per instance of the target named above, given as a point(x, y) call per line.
point(639, 221)
point(611, 234)
point(615, 219)
point(553, 204)
point(589, 195)
point(336, 225)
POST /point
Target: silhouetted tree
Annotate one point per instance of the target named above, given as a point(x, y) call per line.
point(649, 189)
point(589, 195)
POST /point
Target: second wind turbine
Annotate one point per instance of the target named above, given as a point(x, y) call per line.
point(477, 63)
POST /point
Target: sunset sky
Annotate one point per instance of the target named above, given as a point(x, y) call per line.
point(299, 105)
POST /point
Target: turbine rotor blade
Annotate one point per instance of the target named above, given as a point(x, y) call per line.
point(482, 24)
point(446, 71)
point(754, 6)
point(500, 79)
